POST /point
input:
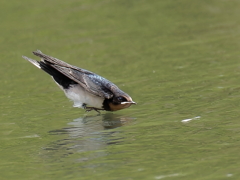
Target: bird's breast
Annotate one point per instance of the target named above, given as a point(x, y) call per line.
point(80, 96)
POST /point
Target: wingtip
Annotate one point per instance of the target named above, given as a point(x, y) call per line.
point(37, 52)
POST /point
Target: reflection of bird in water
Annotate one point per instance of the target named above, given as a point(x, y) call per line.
point(90, 133)
point(107, 121)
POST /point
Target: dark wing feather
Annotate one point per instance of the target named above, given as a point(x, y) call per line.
point(100, 84)
point(93, 83)
point(55, 61)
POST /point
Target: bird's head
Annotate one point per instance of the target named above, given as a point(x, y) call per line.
point(120, 102)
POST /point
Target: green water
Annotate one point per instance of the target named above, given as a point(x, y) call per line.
point(177, 59)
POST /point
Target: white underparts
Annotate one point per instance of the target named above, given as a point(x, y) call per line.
point(80, 96)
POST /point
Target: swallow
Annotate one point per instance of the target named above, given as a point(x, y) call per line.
point(86, 89)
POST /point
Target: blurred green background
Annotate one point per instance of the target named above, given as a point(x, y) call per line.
point(177, 59)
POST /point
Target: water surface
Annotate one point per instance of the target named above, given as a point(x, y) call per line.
point(179, 60)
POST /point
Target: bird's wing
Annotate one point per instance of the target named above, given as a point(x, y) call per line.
point(55, 61)
point(91, 82)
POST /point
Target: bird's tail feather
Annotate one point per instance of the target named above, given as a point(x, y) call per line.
point(60, 78)
point(34, 62)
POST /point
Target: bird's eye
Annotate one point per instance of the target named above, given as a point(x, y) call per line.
point(121, 99)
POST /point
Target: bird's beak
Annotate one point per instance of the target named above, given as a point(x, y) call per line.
point(128, 102)
point(133, 102)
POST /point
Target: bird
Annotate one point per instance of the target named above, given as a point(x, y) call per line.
point(86, 89)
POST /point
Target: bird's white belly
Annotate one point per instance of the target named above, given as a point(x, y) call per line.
point(79, 96)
